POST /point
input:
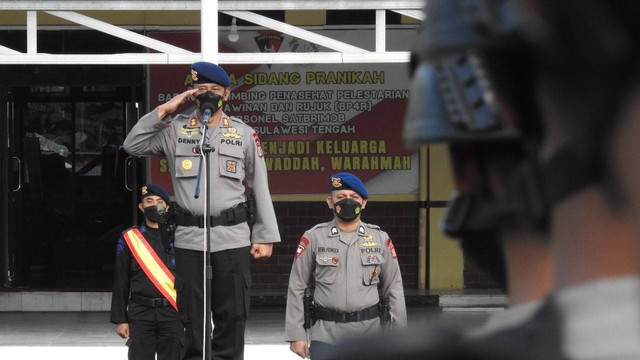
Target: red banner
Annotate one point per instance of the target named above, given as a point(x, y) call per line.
point(314, 120)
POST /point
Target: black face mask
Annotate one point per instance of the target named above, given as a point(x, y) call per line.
point(347, 209)
point(157, 214)
point(209, 100)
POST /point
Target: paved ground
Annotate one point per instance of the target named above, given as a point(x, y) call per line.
point(89, 335)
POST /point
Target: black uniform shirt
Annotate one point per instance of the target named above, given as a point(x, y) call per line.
point(129, 278)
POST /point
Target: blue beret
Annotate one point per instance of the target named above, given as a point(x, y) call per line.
point(154, 189)
point(344, 181)
point(204, 72)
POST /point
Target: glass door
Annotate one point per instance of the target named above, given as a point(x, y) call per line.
point(70, 191)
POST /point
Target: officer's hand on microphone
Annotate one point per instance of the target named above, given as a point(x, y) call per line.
point(123, 330)
point(170, 106)
point(261, 251)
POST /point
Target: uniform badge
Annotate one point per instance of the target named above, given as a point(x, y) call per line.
point(231, 166)
point(329, 259)
point(369, 243)
point(144, 190)
point(225, 122)
point(392, 249)
point(187, 164)
point(232, 133)
point(336, 182)
point(194, 75)
point(361, 230)
point(256, 139)
point(188, 131)
point(193, 122)
point(304, 242)
point(334, 231)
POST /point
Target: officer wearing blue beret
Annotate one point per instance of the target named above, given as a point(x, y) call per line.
point(349, 260)
point(143, 303)
point(236, 161)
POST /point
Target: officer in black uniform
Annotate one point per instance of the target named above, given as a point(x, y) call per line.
point(143, 300)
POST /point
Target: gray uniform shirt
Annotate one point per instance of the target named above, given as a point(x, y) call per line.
point(348, 268)
point(236, 157)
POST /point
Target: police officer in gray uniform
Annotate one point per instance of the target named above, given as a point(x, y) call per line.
point(236, 166)
point(348, 260)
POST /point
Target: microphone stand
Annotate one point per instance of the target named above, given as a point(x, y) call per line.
point(205, 150)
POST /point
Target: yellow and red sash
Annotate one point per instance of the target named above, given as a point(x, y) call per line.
point(155, 269)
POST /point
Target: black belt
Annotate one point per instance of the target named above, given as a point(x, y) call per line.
point(369, 313)
point(231, 216)
point(152, 302)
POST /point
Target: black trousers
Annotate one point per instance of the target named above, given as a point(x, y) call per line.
point(229, 301)
point(148, 337)
point(319, 350)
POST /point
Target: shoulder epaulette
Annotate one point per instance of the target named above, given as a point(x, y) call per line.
point(372, 226)
point(181, 117)
point(319, 226)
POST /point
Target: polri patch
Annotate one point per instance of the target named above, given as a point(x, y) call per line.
point(392, 249)
point(302, 246)
point(256, 139)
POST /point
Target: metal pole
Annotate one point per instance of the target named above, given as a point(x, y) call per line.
point(209, 30)
point(423, 227)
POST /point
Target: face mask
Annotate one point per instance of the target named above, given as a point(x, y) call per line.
point(347, 209)
point(209, 100)
point(157, 214)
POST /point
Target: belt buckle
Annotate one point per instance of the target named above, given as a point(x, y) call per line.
point(350, 316)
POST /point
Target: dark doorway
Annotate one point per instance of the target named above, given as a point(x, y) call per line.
point(69, 186)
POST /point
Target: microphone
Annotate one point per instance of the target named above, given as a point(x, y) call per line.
point(206, 116)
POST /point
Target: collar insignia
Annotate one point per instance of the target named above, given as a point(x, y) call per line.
point(225, 122)
point(334, 231)
point(361, 230)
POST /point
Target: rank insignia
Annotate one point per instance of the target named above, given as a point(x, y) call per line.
point(392, 249)
point(361, 230)
point(304, 242)
point(225, 122)
point(193, 122)
point(187, 164)
point(334, 231)
point(256, 139)
point(231, 166)
point(232, 133)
